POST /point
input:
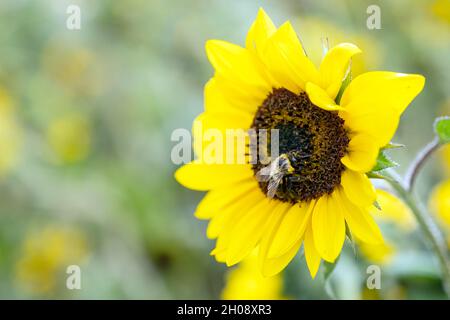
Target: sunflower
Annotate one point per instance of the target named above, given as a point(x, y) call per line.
point(329, 138)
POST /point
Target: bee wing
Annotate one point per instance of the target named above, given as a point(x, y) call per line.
point(263, 175)
point(274, 183)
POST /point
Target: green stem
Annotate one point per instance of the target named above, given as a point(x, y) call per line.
point(418, 163)
point(427, 224)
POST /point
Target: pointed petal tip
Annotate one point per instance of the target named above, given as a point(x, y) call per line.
point(286, 25)
point(421, 80)
point(416, 80)
point(313, 268)
point(262, 12)
point(231, 263)
point(178, 175)
point(313, 273)
point(183, 177)
point(208, 45)
point(217, 49)
point(330, 259)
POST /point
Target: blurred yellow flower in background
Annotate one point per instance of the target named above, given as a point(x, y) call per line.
point(446, 157)
point(441, 10)
point(45, 257)
point(440, 203)
point(246, 282)
point(393, 211)
point(396, 292)
point(69, 137)
point(430, 24)
point(445, 152)
point(377, 253)
point(10, 134)
point(75, 67)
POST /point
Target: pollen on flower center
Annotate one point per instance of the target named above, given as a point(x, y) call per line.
point(312, 139)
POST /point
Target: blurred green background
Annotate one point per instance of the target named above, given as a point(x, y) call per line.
point(85, 123)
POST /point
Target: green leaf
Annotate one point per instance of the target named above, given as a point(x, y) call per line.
point(349, 235)
point(442, 129)
point(375, 175)
point(383, 162)
point(393, 145)
point(348, 232)
point(377, 205)
point(344, 85)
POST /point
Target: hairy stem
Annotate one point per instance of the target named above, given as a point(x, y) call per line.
point(425, 221)
point(418, 163)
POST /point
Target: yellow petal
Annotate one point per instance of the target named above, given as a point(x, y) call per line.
point(222, 137)
point(378, 126)
point(358, 188)
point(218, 199)
point(328, 226)
point(382, 90)
point(249, 230)
point(223, 222)
point(215, 101)
point(311, 255)
point(290, 230)
point(362, 153)
point(241, 96)
point(222, 120)
point(320, 97)
point(374, 102)
point(237, 65)
point(334, 67)
point(286, 61)
point(273, 266)
point(204, 177)
point(360, 222)
point(219, 255)
point(260, 31)
point(270, 267)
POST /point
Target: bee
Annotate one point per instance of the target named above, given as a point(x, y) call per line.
point(274, 173)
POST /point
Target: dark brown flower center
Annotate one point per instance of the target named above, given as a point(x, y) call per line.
point(312, 142)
